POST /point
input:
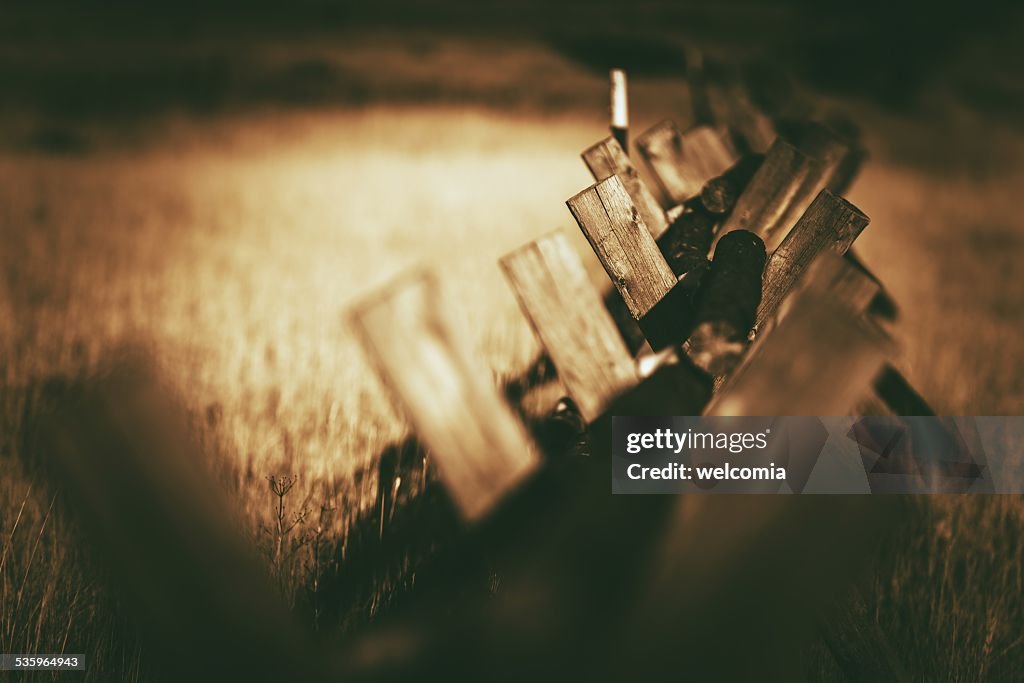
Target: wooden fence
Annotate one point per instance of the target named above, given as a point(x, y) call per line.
point(729, 292)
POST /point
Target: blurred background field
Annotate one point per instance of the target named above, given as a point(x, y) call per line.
point(219, 192)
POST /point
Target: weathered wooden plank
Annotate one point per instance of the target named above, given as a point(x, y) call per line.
point(681, 163)
point(818, 360)
point(830, 224)
point(630, 256)
point(481, 448)
point(838, 158)
point(620, 108)
point(616, 231)
point(566, 313)
point(607, 158)
point(771, 205)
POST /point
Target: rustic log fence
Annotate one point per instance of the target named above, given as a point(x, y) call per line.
point(729, 249)
point(730, 270)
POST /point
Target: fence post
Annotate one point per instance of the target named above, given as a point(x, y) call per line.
point(480, 447)
point(681, 163)
point(567, 315)
point(830, 224)
point(607, 158)
point(634, 263)
point(771, 203)
point(620, 108)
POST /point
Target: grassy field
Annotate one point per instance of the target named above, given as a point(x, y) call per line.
point(229, 247)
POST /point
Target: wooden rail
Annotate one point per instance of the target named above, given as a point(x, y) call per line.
point(568, 317)
point(480, 447)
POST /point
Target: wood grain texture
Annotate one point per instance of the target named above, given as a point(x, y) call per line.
point(830, 224)
point(681, 163)
point(607, 158)
point(624, 245)
point(819, 360)
point(481, 448)
point(774, 198)
point(567, 315)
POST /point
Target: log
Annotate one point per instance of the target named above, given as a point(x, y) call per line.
point(681, 163)
point(855, 641)
point(833, 159)
point(630, 256)
point(688, 240)
point(480, 447)
point(727, 303)
point(552, 288)
point(830, 224)
point(607, 158)
point(719, 195)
